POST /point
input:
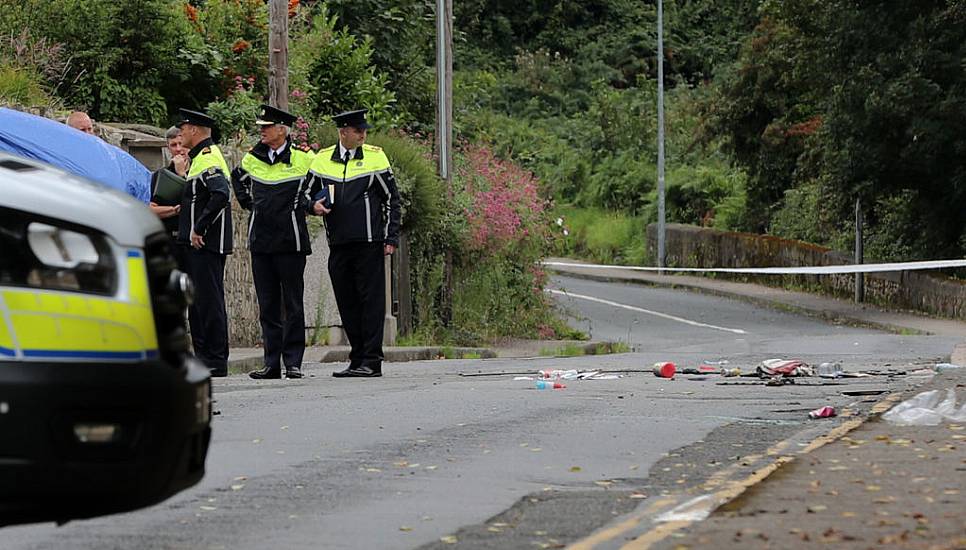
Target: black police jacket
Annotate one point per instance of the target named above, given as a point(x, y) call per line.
point(363, 195)
point(272, 191)
point(205, 206)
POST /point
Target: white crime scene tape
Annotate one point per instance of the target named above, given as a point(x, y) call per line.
point(809, 270)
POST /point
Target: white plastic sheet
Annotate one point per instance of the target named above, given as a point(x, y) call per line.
point(928, 408)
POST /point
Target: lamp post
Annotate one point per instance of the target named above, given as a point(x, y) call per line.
point(660, 135)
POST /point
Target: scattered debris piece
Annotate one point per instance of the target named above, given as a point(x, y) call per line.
point(703, 368)
point(664, 369)
point(548, 385)
point(830, 370)
point(856, 393)
point(946, 367)
point(927, 409)
point(824, 412)
point(784, 367)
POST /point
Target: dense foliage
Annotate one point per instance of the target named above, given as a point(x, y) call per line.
point(835, 101)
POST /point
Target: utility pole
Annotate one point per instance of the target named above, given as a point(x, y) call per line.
point(660, 135)
point(444, 131)
point(859, 253)
point(278, 54)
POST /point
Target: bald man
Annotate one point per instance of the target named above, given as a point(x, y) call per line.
point(80, 121)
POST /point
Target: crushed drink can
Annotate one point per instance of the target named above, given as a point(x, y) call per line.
point(824, 412)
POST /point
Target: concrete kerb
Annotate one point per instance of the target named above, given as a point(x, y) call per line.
point(245, 360)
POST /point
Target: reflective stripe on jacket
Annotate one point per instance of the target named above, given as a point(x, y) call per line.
point(205, 207)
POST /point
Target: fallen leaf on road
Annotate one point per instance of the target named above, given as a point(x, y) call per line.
point(638, 495)
point(256, 441)
point(885, 500)
point(405, 528)
point(634, 467)
point(575, 469)
point(284, 428)
point(448, 539)
point(241, 478)
point(536, 449)
point(817, 508)
point(873, 488)
point(400, 464)
point(373, 470)
point(207, 508)
point(604, 483)
point(431, 467)
point(494, 529)
point(237, 487)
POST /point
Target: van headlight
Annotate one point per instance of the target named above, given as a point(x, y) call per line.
point(45, 254)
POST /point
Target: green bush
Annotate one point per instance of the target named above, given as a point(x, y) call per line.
point(334, 69)
point(20, 86)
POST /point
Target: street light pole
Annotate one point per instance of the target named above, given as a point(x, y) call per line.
point(660, 135)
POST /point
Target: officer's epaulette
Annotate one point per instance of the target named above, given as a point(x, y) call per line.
point(367, 147)
point(205, 151)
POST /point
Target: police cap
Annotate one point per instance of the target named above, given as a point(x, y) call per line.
point(195, 118)
point(355, 119)
point(268, 115)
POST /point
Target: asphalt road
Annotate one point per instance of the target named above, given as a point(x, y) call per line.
point(489, 462)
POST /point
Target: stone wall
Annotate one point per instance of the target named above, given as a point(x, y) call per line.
point(691, 246)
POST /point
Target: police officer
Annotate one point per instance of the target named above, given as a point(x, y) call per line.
point(269, 184)
point(205, 227)
point(352, 185)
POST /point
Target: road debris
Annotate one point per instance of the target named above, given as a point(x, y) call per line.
point(945, 367)
point(824, 412)
point(784, 367)
point(664, 369)
point(927, 409)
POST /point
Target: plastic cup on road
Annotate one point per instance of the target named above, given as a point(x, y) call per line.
point(664, 369)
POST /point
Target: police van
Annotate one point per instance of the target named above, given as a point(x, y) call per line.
point(102, 409)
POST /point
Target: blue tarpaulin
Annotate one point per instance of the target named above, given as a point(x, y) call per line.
point(74, 151)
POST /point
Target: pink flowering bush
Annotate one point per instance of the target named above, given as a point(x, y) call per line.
point(505, 213)
point(498, 283)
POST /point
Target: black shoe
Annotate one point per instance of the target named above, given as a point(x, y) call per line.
point(362, 371)
point(293, 372)
point(266, 373)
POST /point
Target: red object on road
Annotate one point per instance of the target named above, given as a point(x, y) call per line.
point(664, 369)
point(824, 412)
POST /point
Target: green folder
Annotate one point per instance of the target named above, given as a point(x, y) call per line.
point(170, 188)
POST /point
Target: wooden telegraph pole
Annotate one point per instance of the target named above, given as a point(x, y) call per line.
point(278, 54)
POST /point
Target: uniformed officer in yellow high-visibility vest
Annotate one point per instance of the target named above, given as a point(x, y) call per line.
point(269, 184)
point(352, 185)
point(205, 227)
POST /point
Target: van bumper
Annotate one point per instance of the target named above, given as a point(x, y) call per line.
point(79, 440)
